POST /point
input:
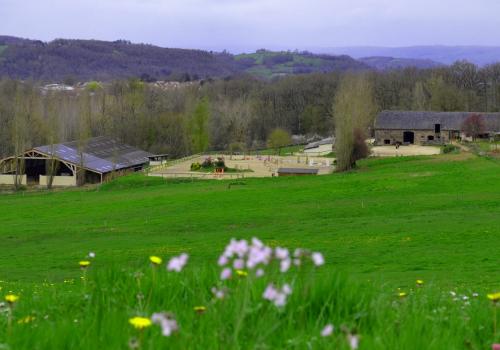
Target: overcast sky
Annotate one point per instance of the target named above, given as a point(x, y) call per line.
point(243, 25)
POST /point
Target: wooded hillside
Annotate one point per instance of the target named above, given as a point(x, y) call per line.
point(83, 60)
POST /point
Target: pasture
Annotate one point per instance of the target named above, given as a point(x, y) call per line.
point(380, 228)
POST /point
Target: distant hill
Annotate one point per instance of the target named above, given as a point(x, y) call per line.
point(101, 60)
point(85, 60)
point(390, 63)
point(265, 63)
point(480, 55)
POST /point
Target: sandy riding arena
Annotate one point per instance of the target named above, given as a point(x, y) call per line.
point(250, 166)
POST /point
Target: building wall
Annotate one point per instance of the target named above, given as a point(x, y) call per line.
point(8, 179)
point(63, 181)
point(296, 174)
point(320, 150)
point(421, 136)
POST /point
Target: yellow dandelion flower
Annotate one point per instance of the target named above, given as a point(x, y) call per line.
point(420, 282)
point(494, 297)
point(11, 298)
point(140, 322)
point(26, 319)
point(402, 294)
point(200, 309)
point(155, 260)
point(84, 264)
point(241, 273)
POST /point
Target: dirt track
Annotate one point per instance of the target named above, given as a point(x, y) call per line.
point(412, 150)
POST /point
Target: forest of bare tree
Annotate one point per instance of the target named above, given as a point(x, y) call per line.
point(237, 113)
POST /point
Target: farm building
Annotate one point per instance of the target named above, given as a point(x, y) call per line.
point(297, 171)
point(320, 148)
point(97, 160)
point(393, 127)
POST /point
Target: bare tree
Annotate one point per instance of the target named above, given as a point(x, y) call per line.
point(354, 108)
point(419, 99)
point(473, 126)
point(84, 122)
point(53, 127)
point(19, 136)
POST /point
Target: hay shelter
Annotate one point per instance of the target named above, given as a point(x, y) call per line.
point(92, 161)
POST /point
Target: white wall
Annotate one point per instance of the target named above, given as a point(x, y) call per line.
point(157, 162)
point(65, 181)
point(9, 179)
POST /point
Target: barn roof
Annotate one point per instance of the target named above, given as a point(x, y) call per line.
point(327, 141)
point(401, 120)
point(100, 154)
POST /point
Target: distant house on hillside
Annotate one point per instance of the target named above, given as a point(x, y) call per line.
point(393, 127)
point(99, 159)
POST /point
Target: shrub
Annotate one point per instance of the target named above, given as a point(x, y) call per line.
point(449, 149)
point(207, 163)
point(220, 163)
point(360, 149)
point(195, 166)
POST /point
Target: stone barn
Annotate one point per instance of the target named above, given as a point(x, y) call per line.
point(95, 161)
point(422, 128)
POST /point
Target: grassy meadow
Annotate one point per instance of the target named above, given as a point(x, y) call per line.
point(380, 228)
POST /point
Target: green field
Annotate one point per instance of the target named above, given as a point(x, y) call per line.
point(393, 220)
point(381, 227)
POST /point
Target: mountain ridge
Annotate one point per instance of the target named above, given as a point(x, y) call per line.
point(85, 60)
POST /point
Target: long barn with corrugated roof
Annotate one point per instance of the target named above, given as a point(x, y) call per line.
point(76, 162)
point(406, 127)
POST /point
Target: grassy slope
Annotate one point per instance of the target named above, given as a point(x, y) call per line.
point(286, 68)
point(393, 221)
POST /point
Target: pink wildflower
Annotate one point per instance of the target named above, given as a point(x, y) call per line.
point(167, 323)
point(278, 297)
point(285, 265)
point(327, 331)
point(177, 263)
point(223, 260)
point(239, 264)
point(225, 274)
point(281, 253)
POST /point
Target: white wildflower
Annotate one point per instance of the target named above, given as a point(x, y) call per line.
point(218, 293)
point(353, 340)
point(317, 258)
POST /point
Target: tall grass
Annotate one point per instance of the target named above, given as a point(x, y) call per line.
point(93, 312)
